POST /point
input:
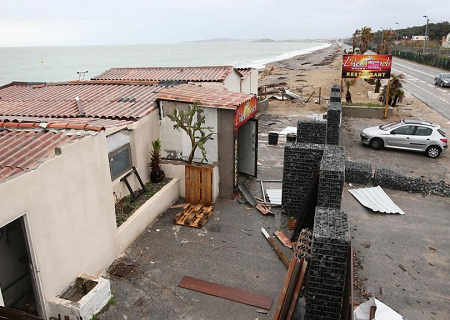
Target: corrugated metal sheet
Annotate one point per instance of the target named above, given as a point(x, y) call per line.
point(375, 199)
point(22, 150)
point(114, 101)
point(205, 96)
point(274, 196)
point(193, 74)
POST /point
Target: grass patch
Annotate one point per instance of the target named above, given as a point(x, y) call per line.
point(363, 104)
point(126, 206)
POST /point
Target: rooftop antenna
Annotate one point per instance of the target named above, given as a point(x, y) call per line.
point(81, 74)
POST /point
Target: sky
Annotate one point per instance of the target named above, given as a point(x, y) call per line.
point(105, 22)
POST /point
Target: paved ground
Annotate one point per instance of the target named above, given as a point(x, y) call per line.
point(419, 81)
point(224, 252)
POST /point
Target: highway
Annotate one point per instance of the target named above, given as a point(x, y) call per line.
point(419, 80)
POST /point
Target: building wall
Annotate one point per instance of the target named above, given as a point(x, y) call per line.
point(250, 83)
point(226, 153)
point(233, 82)
point(176, 144)
point(70, 211)
point(142, 133)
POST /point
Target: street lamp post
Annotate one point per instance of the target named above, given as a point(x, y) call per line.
point(426, 32)
point(396, 43)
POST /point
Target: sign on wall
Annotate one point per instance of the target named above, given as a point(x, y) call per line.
point(244, 112)
point(367, 66)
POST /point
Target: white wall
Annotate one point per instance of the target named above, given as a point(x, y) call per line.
point(233, 82)
point(142, 133)
point(177, 145)
point(70, 210)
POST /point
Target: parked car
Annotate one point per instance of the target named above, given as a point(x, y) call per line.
point(442, 80)
point(413, 135)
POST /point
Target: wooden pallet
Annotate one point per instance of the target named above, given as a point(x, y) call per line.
point(193, 215)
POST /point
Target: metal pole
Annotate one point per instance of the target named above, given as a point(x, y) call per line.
point(396, 44)
point(387, 99)
point(426, 31)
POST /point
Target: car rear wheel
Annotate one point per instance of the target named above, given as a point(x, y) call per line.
point(376, 143)
point(433, 151)
point(435, 82)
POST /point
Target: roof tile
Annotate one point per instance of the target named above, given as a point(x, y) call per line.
point(190, 74)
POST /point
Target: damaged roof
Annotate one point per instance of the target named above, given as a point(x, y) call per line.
point(207, 97)
point(96, 100)
point(163, 74)
point(244, 71)
point(21, 150)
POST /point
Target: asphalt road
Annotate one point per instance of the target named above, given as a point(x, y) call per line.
point(419, 80)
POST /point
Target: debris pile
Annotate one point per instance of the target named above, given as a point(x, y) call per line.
point(358, 172)
point(393, 180)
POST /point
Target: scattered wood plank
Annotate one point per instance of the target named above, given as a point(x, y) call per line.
point(194, 215)
point(274, 245)
point(283, 239)
point(373, 309)
point(263, 209)
point(298, 286)
point(178, 206)
point(284, 290)
point(11, 314)
point(229, 293)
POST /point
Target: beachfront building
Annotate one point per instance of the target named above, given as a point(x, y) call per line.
point(64, 151)
point(235, 145)
point(217, 77)
point(69, 151)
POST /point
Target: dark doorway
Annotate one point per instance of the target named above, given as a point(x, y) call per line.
point(16, 279)
point(248, 148)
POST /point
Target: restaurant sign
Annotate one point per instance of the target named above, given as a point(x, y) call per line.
point(367, 66)
point(244, 112)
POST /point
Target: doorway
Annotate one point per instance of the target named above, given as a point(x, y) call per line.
point(248, 148)
point(17, 288)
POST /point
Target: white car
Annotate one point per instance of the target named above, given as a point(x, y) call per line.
point(413, 135)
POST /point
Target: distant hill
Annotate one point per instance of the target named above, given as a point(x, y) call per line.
point(214, 40)
point(264, 40)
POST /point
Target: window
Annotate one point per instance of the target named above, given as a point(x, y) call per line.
point(119, 153)
point(120, 161)
point(423, 131)
point(405, 130)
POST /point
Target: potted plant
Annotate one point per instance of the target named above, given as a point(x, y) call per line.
point(157, 174)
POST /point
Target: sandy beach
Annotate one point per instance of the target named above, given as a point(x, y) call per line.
point(305, 74)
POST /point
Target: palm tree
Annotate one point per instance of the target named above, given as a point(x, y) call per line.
point(384, 48)
point(396, 93)
point(355, 38)
point(366, 37)
point(348, 84)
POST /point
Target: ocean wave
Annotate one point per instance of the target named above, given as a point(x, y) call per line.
point(261, 63)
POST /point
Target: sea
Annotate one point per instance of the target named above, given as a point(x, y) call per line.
point(54, 64)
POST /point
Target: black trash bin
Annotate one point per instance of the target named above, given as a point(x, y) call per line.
point(291, 137)
point(273, 138)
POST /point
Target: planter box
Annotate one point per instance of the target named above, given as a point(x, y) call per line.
point(147, 213)
point(87, 296)
point(365, 112)
point(177, 169)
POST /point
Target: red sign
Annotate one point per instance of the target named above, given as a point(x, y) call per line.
point(244, 112)
point(367, 66)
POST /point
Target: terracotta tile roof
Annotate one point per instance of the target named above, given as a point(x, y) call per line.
point(95, 124)
point(205, 96)
point(23, 150)
point(244, 71)
point(189, 74)
point(113, 101)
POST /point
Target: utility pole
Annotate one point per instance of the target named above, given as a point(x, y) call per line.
point(396, 43)
point(426, 32)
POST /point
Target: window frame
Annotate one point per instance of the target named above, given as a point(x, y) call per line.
point(421, 135)
point(405, 134)
point(116, 152)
